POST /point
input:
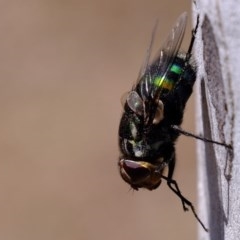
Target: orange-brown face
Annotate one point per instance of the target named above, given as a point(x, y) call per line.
point(140, 174)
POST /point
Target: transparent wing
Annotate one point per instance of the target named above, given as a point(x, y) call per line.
point(145, 65)
point(170, 47)
point(163, 59)
point(159, 65)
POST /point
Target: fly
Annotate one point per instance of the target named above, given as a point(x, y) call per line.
point(153, 113)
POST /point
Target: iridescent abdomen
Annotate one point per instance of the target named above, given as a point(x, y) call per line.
point(169, 80)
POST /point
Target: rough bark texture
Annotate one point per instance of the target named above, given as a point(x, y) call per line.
point(218, 58)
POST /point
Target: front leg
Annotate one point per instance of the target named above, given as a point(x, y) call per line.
point(170, 181)
point(172, 184)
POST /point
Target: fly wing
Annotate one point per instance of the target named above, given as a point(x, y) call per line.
point(161, 63)
point(145, 65)
point(159, 66)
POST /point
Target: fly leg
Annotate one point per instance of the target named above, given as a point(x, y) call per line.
point(172, 184)
point(170, 181)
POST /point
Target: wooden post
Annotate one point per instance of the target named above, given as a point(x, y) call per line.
point(217, 54)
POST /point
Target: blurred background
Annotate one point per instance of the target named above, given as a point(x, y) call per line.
point(64, 67)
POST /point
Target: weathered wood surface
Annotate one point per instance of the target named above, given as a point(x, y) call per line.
point(217, 53)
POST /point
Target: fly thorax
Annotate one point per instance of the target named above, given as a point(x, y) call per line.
point(140, 149)
point(134, 148)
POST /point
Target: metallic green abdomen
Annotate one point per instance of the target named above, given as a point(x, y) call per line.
point(168, 81)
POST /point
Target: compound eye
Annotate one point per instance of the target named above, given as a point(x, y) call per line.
point(135, 171)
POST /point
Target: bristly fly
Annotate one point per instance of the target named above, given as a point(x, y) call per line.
point(153, 113)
